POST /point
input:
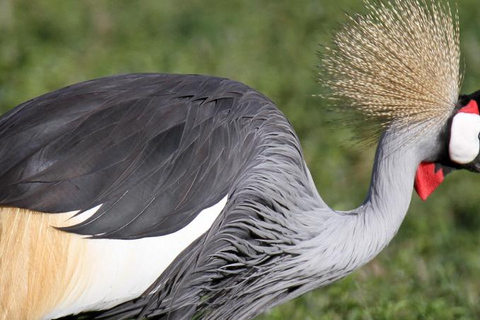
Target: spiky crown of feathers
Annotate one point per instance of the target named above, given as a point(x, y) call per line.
point(398, 65)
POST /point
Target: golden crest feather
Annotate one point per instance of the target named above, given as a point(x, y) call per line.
point(398, 65)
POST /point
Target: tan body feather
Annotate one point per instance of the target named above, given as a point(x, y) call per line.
point(37, 263)
point(47, 273)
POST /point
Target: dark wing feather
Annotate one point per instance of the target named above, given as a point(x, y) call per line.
point(153, 149)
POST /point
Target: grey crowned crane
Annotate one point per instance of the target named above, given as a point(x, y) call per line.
point(187, 197)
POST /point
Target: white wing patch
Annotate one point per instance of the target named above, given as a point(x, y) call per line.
point(464, 140)
point(115, 271)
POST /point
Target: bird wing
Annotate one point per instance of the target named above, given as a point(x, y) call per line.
point(153, 150)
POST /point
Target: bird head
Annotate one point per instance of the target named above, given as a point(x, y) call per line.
point(464, 133)
point(397, 67)
point(458, 146)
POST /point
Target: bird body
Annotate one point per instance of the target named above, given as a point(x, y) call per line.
point(277, 231)
point(187, 196)
point(233, 131)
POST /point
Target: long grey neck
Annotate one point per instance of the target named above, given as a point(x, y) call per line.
point(346, 240)
point(325, 245)
point(390, 191)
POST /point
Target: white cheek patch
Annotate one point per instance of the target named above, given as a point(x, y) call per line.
point(464, 141)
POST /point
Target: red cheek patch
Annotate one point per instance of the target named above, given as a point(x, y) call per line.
point(427, 179)
point(471, 107)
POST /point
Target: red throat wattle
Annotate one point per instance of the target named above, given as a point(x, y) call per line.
point(427, 179)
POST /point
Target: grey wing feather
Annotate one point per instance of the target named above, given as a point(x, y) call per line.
point(153, 149)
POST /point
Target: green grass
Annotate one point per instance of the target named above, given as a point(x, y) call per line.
point(431, 270)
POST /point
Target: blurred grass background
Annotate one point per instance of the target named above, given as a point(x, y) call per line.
point(431, 270)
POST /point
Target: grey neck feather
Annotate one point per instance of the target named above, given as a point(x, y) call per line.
point(378, 219)
point(390, 192)
point(349, 239)
point(335, 243)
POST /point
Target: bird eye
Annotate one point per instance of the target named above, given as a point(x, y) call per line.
point(464, 138)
